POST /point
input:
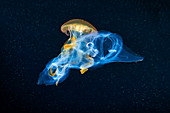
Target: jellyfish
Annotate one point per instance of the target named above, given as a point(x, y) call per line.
point(85, 48)
point(76, 28)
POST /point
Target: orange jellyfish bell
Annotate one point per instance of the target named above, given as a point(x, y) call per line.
point(77, 25)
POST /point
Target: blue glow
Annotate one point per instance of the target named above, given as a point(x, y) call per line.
point(90, 50)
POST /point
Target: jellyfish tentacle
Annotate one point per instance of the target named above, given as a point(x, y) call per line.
point(57, 82)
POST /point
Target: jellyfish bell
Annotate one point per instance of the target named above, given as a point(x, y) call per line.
point(77, 27)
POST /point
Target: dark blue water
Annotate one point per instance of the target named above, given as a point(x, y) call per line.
point(30, 36)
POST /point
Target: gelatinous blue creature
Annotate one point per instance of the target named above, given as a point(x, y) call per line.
point(85, 48)
point(87, 51)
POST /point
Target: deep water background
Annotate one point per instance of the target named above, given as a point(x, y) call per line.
point(30, 36)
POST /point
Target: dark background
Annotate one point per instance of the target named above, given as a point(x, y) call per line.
point(30, 36)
